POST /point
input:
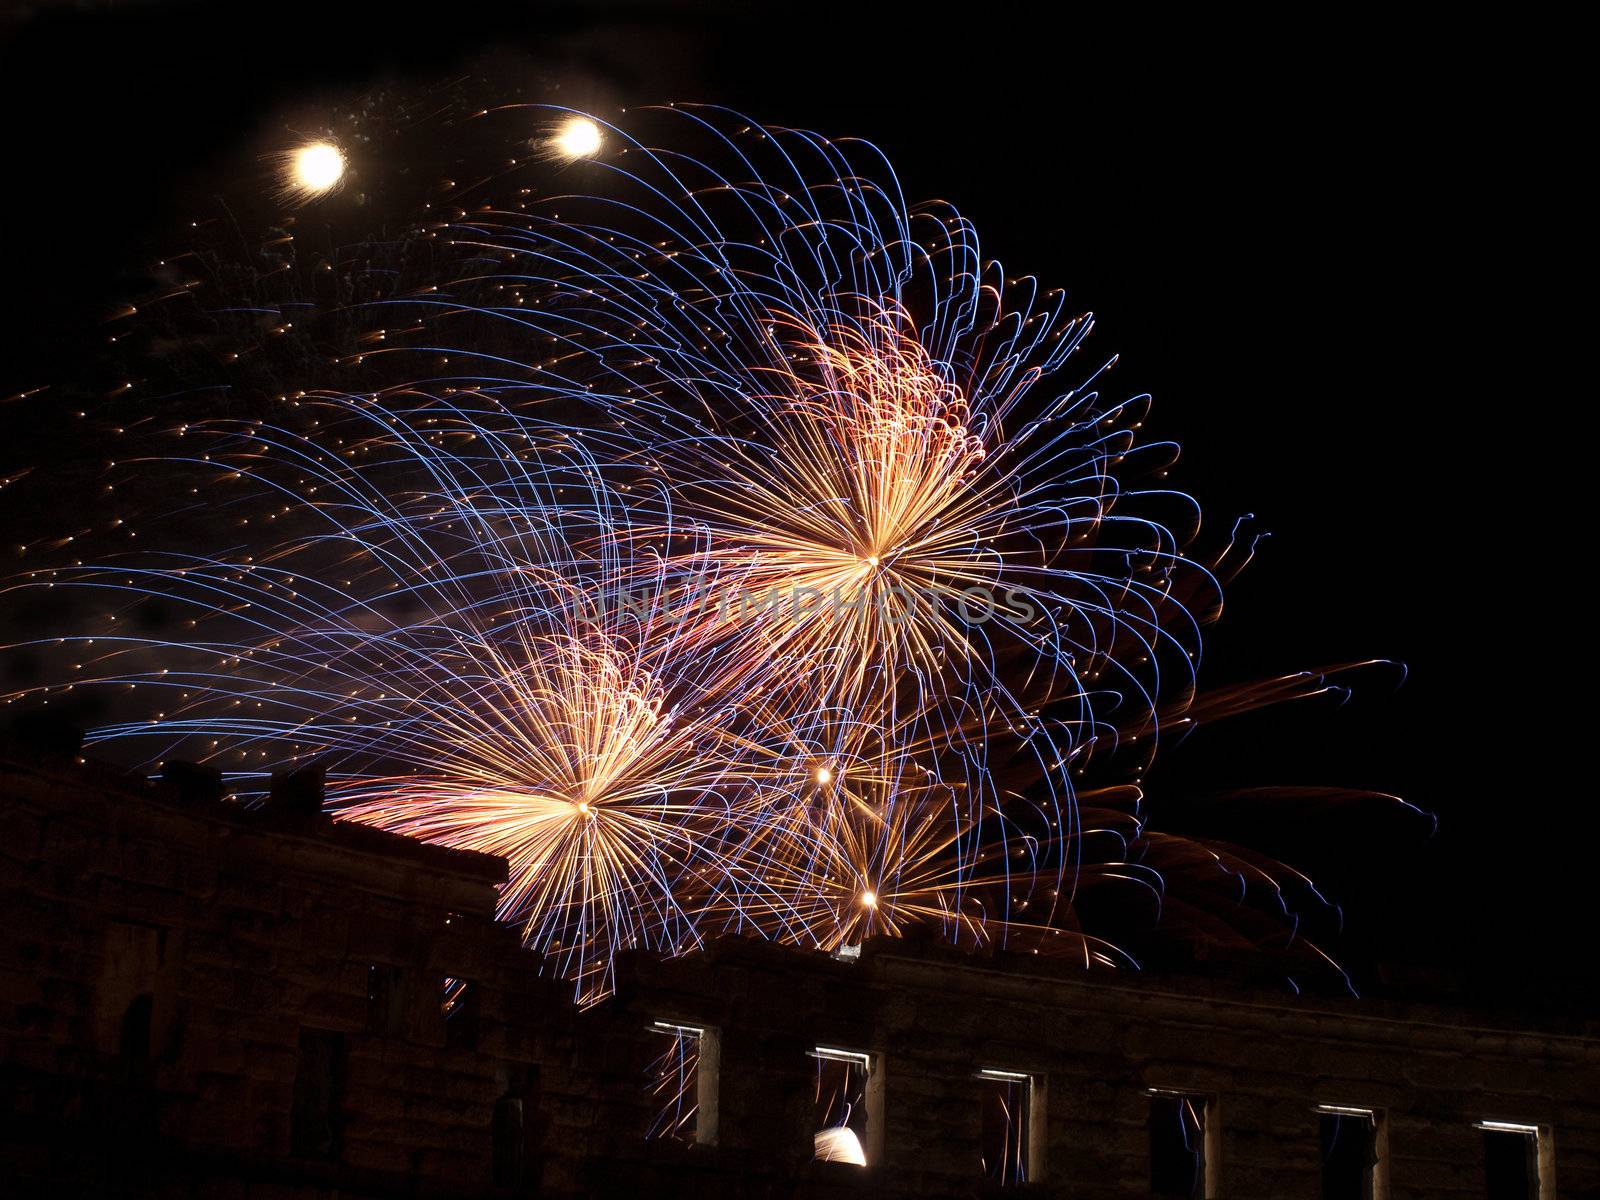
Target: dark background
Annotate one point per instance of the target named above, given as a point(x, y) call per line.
point(1277, 228)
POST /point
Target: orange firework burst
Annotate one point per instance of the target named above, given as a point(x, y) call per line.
point(570, 769)
point(858, 522)
point(721, 548)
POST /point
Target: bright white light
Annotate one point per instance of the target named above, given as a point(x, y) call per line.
point(839, 1144)
point(834, 1054)
point(578, 137)
point(681, 1030)
point(824, 775)
point(870, 899)
point(316, 168)
point(1509, 1127)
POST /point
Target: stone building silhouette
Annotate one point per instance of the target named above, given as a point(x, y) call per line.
point(205, 1000)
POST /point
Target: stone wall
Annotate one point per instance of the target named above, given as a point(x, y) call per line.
point(236, 937)
point(1098, 1045)
point(199, 999)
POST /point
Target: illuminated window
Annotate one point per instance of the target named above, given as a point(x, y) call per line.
point(842, 1129)
point(1349, 1138)
point(458, 1005)
point(1178, 1136)
point(682, 1081)
point(1010, 1150)
point(1513, 1160)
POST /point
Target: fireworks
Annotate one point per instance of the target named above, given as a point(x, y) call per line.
point(312, 170)
point(733, 549)
point(577, 137)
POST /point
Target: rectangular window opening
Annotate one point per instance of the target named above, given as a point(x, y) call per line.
point(318, 1100)
point(519, 1099)
point(1178, 1144)
point(675, 1077)
point(134, 1039)
point(1008, 1122)
point(842, 1133)
point(1512, 1161)
point(126, 996)
point(458, 1006)
point(507, 1141)
point(1349, 1152)
point(386, 1000)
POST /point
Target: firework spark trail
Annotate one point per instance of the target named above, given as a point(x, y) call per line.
point(487, 673)
point(509, 604)
point(760, 347)
point(480, 676)
point(826, 378)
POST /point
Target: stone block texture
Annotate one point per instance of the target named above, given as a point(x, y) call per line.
point(200, 999)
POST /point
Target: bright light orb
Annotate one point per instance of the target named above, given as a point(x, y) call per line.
point(824, 775)
point(869, 899)
point(316, 168)
point(578, 137)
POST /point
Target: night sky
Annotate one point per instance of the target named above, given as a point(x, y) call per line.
point(1262, 230)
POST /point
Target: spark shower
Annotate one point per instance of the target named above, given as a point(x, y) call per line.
point(504, 560)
